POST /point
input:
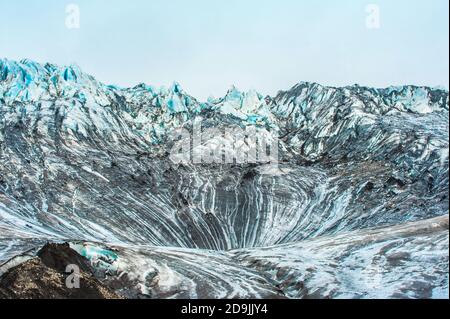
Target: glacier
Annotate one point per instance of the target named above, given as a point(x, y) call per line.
point(355, 207)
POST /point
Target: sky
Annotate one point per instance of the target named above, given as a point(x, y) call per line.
point(209, 45)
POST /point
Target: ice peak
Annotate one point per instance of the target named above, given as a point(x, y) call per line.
point(176, 88)
point(72, 73)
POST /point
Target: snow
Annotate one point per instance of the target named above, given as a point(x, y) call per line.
point(323, 214)
point(89, 170)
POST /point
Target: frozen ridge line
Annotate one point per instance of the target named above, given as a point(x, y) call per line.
point(30, 82)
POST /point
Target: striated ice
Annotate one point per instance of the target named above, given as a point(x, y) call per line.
point(355, 207)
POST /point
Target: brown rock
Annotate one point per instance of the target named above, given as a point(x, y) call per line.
point(34, 279)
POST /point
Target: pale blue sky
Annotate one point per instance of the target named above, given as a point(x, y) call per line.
point(207, 45)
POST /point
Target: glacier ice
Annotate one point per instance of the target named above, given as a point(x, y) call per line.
point(356, 207)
